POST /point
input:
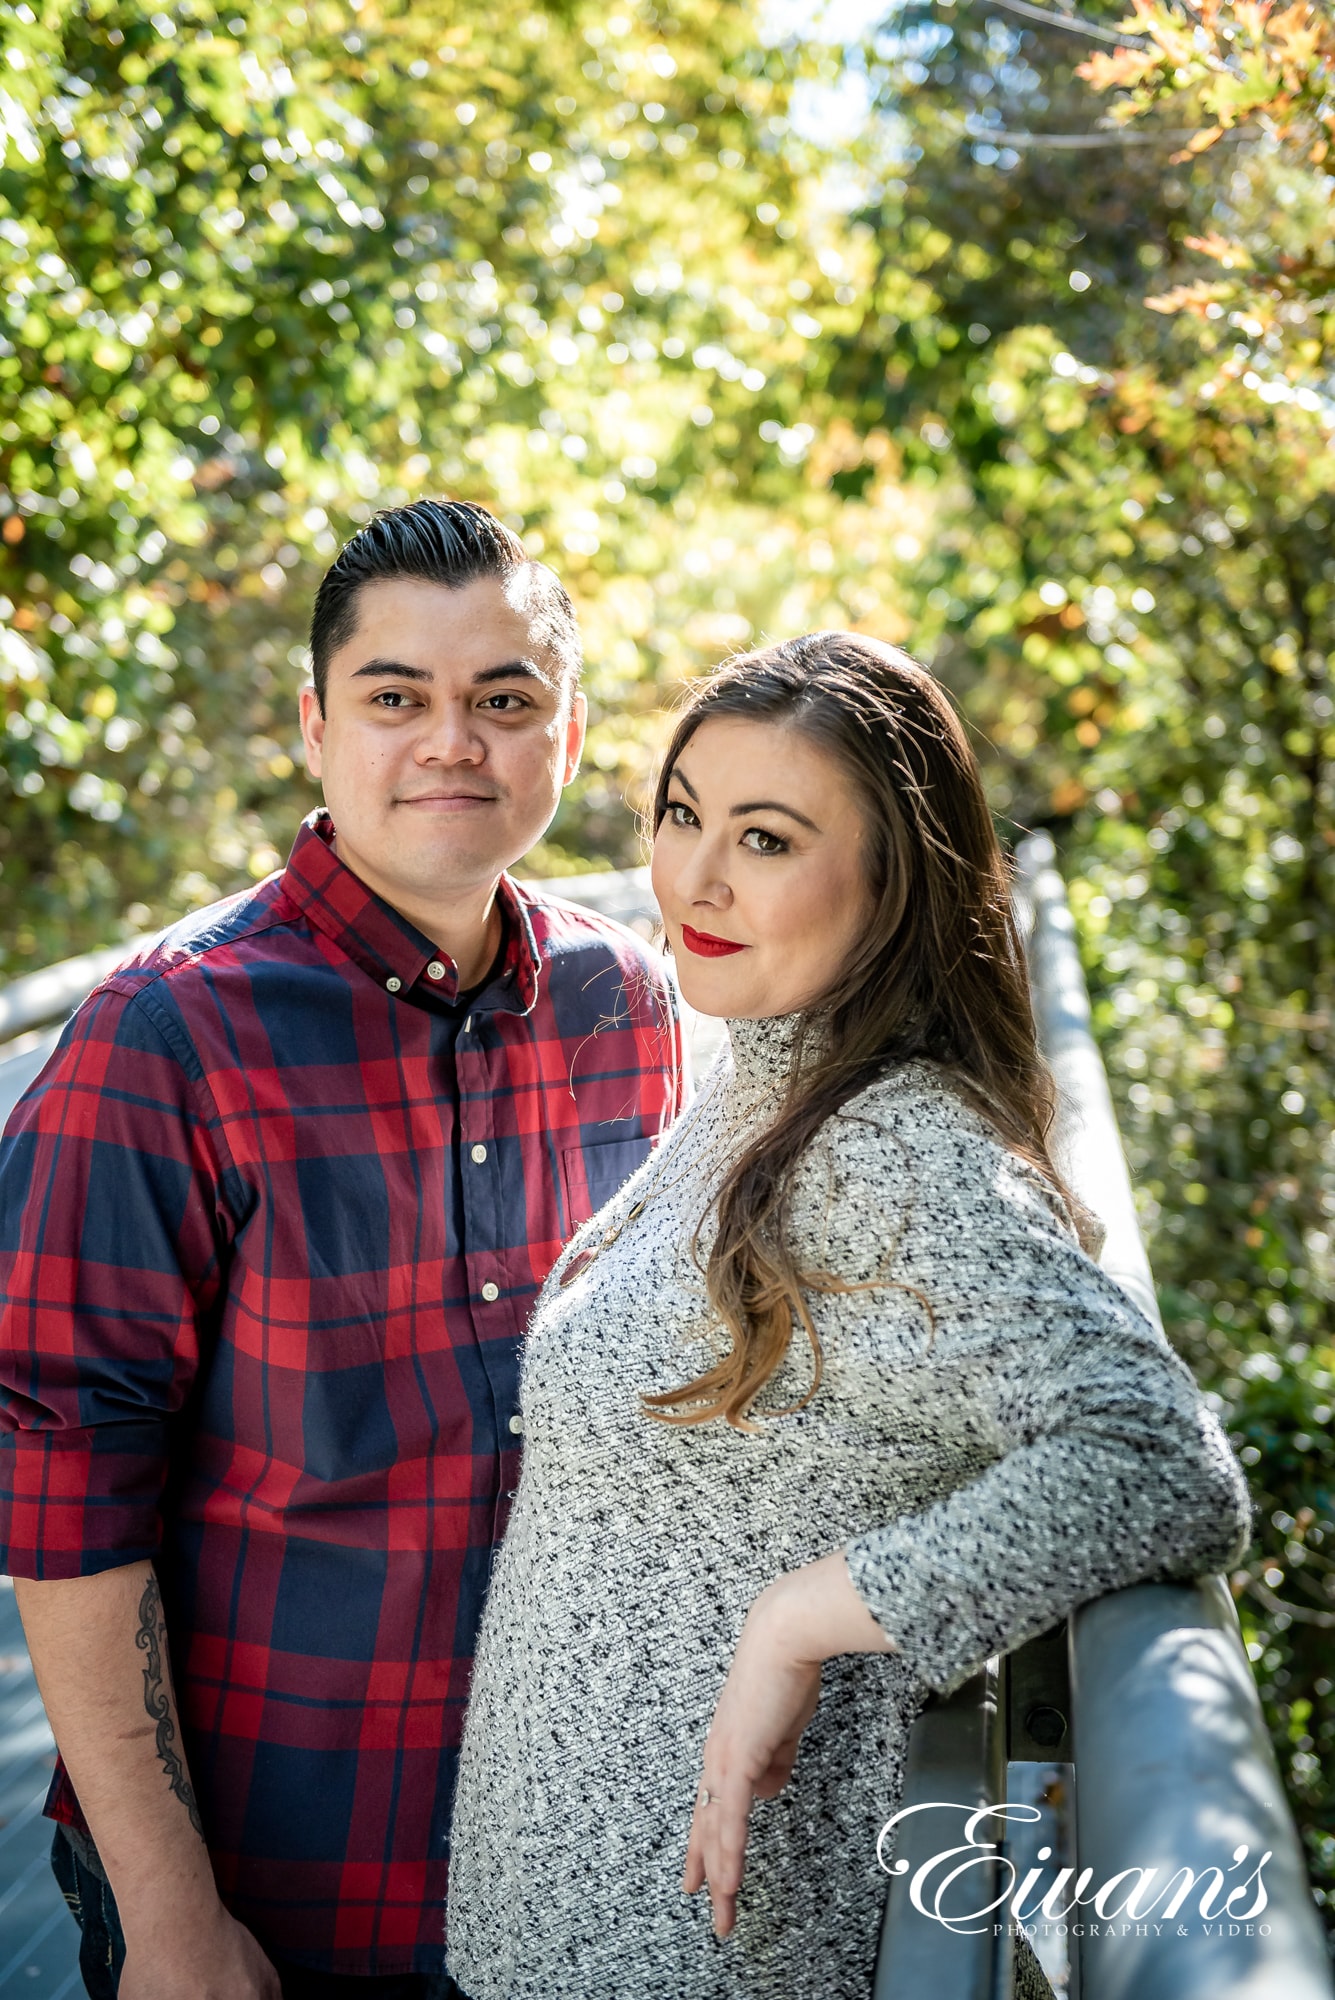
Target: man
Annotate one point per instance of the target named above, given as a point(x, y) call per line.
point(270, 1224)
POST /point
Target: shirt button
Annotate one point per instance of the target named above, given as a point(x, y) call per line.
point(435, 970)
point(490, 1292)
point(517, 1425)
point(392, 984)
point(477, 1154)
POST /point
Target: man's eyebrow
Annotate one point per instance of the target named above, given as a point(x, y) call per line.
point(773, 806)
point(511, 670)
point(398, 668)
point(514, 670)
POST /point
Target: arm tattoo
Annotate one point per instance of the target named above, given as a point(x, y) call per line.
point(151, 1639)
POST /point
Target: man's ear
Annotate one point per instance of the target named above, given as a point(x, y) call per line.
point(312, 729)
point(576, 725)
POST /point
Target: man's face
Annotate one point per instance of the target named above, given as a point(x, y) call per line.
point(447, 735)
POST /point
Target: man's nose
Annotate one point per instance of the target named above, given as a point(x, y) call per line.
point(451, 736)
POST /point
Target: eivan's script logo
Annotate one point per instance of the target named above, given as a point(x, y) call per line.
point(1129, 1894)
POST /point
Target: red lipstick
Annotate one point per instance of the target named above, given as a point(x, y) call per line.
point(706, 946)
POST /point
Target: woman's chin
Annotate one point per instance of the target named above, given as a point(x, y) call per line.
point(706, 993)
point(723, 1000)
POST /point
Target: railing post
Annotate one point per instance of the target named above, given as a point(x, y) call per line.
point(956, 1757)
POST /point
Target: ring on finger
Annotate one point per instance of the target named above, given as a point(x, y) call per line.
point(707, 1797)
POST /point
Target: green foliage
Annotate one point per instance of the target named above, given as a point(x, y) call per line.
point(267, 267)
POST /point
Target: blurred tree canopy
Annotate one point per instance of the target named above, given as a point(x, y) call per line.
point(265, 268)
point(1001, 331)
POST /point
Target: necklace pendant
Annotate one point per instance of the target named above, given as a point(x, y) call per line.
point(576, 1267)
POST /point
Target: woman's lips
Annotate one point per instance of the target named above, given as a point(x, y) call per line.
point(706, 946)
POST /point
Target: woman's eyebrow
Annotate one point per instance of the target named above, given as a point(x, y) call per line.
point(678, 777)
point(773, 806)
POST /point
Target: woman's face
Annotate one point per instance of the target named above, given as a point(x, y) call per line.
point(759, 868)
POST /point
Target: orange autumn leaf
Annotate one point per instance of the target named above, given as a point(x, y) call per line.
point(1187, 298)
point(1233, 256)
point(1253, 15)
point(1298, 30)
point(1199, 142)
point(1120, 71)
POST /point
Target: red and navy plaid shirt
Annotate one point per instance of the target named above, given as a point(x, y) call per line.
point(271, 1221)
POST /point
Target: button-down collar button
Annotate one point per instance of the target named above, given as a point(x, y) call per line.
point(435, 970)
point(490, 1291)
point(477, 1154)
point(517, 1424)
point(392, 984)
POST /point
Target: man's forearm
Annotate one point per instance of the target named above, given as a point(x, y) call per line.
point(99, 1649)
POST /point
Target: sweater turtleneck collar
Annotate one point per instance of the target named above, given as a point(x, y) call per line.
point(762, 1050)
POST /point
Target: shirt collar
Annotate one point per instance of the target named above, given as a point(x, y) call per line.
point(385, 944)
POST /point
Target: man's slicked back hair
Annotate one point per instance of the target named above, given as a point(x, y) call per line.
point(451, 542)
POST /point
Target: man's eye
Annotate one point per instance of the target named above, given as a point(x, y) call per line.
point(392, 698)
point(761, 841)
point(680, 815)
point(504, 704)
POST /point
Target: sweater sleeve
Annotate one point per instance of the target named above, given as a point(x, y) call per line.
point(1111, 1470)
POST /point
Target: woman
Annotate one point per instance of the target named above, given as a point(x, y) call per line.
point(826, 1406)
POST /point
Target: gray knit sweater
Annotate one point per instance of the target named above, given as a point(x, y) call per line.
point(1031, 1446)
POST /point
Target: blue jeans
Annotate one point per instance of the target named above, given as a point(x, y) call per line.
point(102, 1944)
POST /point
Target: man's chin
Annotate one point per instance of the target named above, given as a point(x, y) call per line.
point(427, 857)
point(454, 854)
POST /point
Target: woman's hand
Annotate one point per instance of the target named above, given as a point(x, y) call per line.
point(767, 1701)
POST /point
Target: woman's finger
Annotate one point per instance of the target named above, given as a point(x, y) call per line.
point(716, 1851)
point(693, 1875)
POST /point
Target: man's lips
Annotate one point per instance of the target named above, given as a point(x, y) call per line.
point(706, 946)
point(448, 801)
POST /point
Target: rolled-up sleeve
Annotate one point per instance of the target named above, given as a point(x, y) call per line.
point(113, 1236)
point(1111, 1468)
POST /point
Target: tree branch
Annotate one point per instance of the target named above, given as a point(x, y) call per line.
point(1075, 24)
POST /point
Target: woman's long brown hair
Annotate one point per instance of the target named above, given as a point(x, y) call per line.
point(939, 973)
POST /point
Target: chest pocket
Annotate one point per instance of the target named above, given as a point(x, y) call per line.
point(591, 1175)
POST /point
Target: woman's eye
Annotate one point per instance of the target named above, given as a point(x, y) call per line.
point(761, 841)
point(680, 815)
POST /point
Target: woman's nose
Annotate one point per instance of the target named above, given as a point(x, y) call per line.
point(703, 879)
